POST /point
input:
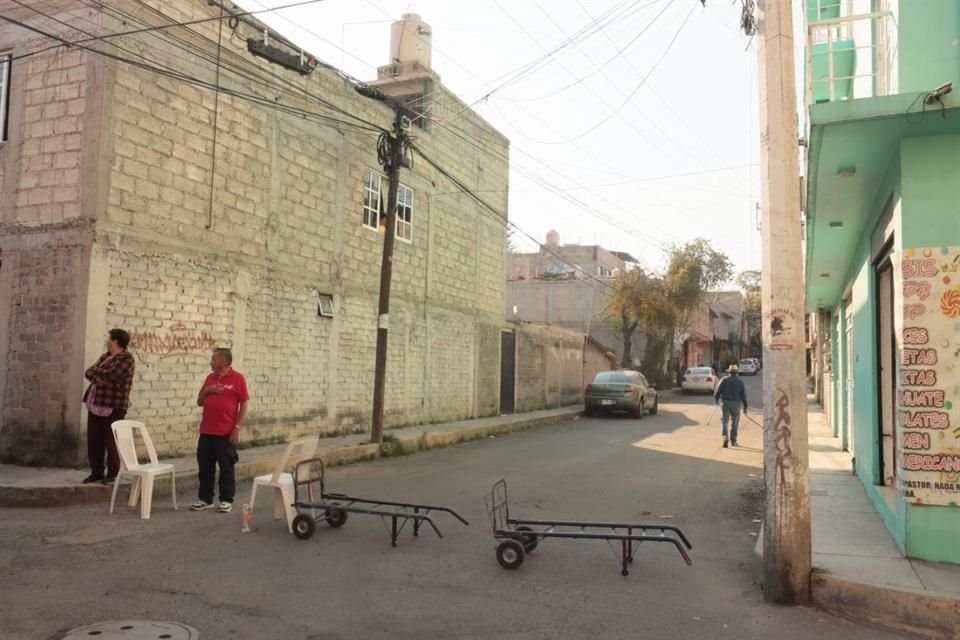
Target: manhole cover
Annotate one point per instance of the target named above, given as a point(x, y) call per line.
point(134, 630)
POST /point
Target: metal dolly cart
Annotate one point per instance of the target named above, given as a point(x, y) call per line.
point(315, 504)
point(518, 536)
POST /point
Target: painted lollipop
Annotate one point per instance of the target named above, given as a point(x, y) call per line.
point(950, 303)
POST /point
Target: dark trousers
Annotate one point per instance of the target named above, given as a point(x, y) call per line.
point(100, 439)
point(213, 451)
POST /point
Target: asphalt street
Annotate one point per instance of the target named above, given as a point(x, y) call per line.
point(66, 568)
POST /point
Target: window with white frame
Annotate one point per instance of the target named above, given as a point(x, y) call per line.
point(374, 205)
point(405, 213)
point(5, 58)
point(371, 199)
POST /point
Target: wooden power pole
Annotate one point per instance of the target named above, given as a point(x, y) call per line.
point(786, 531)
point(391, 154)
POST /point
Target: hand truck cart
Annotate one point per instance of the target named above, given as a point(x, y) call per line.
point(315, 504)
point(519, 537)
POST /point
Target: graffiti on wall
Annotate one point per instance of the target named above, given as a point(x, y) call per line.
point(928, 389)
point(175, 340)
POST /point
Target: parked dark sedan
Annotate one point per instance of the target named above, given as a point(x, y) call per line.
point(621, 391)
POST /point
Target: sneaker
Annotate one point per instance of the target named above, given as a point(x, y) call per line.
point(725, 443)
point(733, 443)
point(200, 505)
point(92, 478)
point(109, 480)
point(224, 507)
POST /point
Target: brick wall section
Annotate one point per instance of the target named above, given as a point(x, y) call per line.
point(197, 244)
point(46, 210)
point(568, 304)
point(286, 224)
point(549, 367)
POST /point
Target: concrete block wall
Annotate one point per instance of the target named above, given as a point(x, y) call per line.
point(188, 244)
point(576, 305)
point(242, 264)
point(549, 367)
point(47, 201)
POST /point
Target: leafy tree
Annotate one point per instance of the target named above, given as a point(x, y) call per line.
point(663, 306)
point(692, 269)
point(625, 308)
point(749, 282)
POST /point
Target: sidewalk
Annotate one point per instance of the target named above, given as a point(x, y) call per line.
point(859, 572)
point(33, 486)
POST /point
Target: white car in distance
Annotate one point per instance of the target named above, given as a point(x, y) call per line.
point(748, 366)
point(698, 379)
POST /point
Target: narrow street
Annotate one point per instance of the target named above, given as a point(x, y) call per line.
point(67, 568)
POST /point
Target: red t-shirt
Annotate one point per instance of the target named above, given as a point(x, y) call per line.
point(220, 409)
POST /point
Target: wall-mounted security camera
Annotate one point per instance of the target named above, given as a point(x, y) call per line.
point(939, 92)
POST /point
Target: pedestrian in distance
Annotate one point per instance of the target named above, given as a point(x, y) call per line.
point(731, 395)
point(223, 397)
point(107, 400)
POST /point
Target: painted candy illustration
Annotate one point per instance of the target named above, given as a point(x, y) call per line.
point(950, 303)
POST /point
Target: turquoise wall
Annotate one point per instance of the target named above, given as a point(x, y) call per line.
point(835, 374)
point(928, 52)
point(862, 305)
point(931, 217)
point(931, 189)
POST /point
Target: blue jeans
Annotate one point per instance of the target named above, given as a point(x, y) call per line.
point(730, 413)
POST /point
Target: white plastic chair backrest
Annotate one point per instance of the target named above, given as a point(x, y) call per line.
point(123, 433)
point(303, 447)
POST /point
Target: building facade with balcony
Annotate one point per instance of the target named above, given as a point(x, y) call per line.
point(883, 252)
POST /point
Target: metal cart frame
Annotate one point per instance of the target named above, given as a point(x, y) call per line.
point(518, 537)
point(315, 504)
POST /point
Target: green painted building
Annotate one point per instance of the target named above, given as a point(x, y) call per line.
point(882, 192)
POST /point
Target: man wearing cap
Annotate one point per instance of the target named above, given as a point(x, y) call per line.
point(731, 393)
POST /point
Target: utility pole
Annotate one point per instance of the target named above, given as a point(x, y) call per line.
point(786, 531)
point(391, 151)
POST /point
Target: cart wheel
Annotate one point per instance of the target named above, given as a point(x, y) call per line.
point(624, 572)
point(336, 517)
point(529, 542)
point(304, 526)
point(510, 554)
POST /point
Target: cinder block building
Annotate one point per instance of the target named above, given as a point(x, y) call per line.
point(171, 183)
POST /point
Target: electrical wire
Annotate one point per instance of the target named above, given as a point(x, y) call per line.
point(242, 66)
point(477, 142)
point(105, 37)
point(635, 90)
point(500, 216)
point(171, 73)
point(597, 68)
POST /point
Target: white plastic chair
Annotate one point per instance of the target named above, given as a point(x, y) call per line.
point(143, 474)
point(282, 480)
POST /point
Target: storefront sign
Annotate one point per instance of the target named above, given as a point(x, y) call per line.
point(928, 389)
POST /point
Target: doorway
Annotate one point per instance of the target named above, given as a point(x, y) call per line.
point(508, 371)
point(886, 372)
point(848, 374)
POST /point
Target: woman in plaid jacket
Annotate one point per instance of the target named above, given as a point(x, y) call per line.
point(107, 399)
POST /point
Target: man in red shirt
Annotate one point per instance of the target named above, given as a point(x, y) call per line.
point(223, 397)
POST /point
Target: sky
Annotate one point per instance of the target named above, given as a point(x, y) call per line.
point(641, 134)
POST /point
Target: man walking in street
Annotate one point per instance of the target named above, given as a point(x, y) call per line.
point(223, 397)
point(107, 399)
point(731, 394)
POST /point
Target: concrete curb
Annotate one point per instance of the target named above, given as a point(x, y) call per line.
point(928, 613)
point(62, 495)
